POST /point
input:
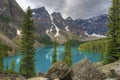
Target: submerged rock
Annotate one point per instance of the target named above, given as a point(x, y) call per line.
point(85, 70)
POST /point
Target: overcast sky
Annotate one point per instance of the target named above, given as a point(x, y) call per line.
point(74, 8)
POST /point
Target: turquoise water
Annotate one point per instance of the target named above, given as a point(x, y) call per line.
point(43, 58)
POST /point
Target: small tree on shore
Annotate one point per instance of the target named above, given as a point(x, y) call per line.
point(67, 58)
point(7, 69)
point(12, 67)
point(1, 64)
point(54, 58)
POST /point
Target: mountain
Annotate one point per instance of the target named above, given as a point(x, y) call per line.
point(54, 25)
point(94, 25)
point(48, 26)
point(11, 16)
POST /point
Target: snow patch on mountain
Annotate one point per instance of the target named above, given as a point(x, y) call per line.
point(86, 33)
point(51, 29)
point(67, 28)
point(98, 35)
point(57, 29)
point(94, 35)
point(18, 32)
point(47, 32)
point(33, 13)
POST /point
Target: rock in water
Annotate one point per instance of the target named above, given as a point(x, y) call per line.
point(58, 70)
point(85, 70)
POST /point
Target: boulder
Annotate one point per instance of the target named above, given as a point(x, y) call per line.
point(59, 70)
point(115, 71)
point(38, 78)
point(85, 70)
point(40, 74)
point(111, 79)
point(108, 69)
point(11, 77)
point(16, 77)
point(57, 79)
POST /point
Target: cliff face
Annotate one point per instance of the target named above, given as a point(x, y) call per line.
point(10, 11)
point(11, 16)
point(97, 24)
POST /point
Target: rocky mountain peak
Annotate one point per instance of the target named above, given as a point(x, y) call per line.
point(69, 18)
point(39, 10)
point(41, 16)
point(57, 15)
point(95, 24)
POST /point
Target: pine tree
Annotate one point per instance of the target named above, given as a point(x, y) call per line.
point(7, 69)
point(114, 33)
point(12, 67)
point(1, 64)
point(1, 57)
point(67, 58)
point(27, 66)
point(54, 58)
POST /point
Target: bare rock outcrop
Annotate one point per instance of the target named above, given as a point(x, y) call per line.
point(85, 70)
point(115, 71)
point(58, 70)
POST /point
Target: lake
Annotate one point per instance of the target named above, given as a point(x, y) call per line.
point(43, 58)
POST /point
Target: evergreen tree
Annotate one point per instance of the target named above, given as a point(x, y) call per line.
point(54, 58)
point(1, 64)
point(7, 69)
point(67, 58)
point(27, 66)
point(12, 67)
point(1, 57)
point(114, 32)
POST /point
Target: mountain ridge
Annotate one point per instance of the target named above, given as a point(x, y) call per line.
point(93, 26)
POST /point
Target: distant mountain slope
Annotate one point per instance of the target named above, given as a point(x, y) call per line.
point(95, 24)
point(10, 10)
point(10, 45)
point(11, 16)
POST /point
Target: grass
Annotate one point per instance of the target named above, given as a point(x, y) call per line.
point(95, 46)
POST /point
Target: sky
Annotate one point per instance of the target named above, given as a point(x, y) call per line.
point(73, 8)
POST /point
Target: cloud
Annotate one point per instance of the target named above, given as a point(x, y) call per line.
point(73, 8)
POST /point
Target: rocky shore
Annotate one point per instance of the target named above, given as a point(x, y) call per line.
point(83, 70)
